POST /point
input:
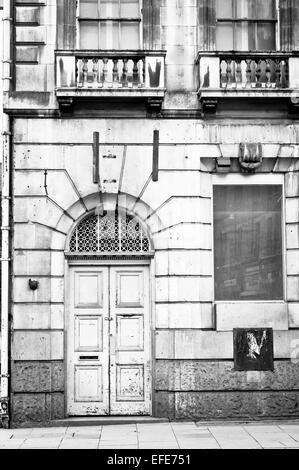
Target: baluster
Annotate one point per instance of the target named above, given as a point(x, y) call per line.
point(278, 72)
point(139, 72)
point(228, 71)
point(223, 78)
point(85, 71)
point(258, 72)
point(77, 73)
point(285, 78)
point(248, 71)
point(268, 72)
point(238, 71)
point(95, 71)
point(125, 73)
point(143, 72)
point(105, 70)
point(115, 71)
point(135, 72)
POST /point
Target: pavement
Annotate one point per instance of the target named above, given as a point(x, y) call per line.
point(170, 435)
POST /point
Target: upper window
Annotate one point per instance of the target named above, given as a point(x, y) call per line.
point(248, 242)
point(109, 24)
point(246, 25)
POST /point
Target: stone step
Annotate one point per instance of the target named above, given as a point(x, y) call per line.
point(106, 420)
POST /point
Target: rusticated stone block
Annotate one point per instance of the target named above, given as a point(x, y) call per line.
point(164, 405)
point(35, 376)
point(27, 15)
point(27, 54)
point(213, 375)
point(57, 405)
point(37, 345)
point(203, 405)
point(36, 407)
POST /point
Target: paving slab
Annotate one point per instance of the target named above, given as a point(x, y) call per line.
point(6, 436)
point(195, 444)
point(79, 444)
point(116, 443)
point(104, 446)
point(158, 445)
point(11, 444)
point(83, 429)
point(293, 435)
point(51, 430)
point(39, 443)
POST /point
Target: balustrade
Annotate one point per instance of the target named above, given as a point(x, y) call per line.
point(262, 72)
point(104, 72)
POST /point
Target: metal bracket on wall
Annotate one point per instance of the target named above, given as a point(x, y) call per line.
point(156, 139)
point(96, 156)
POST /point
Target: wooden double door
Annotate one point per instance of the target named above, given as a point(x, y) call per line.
point(108, 341)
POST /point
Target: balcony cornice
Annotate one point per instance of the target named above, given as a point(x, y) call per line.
point(111, 53)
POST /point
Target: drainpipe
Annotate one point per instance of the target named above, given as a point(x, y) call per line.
point(5, 228)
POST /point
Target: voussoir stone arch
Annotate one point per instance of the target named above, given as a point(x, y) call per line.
point(102, 203)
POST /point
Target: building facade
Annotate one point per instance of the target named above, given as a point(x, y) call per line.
point(154, 239)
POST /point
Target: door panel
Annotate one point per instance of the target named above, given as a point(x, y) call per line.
point(109, 341)
point(88, 333)
point(130, 332)
point(88, 289)
point(130, 288)
point(89, 384)
point(130, 383)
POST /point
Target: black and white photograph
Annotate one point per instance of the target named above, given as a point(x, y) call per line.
point(149, 238)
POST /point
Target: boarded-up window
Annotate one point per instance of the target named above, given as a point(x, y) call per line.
point(248, 242)
point(109, 24)
point(246, 25)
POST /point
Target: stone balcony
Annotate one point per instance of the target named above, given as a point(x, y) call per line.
point(246, 75)
point(110, 75)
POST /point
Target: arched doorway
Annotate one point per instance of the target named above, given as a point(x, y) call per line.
point(108, 321)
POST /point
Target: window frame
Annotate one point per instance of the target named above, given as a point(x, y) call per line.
point(101, 20)
point(234, 20)
point(252, 180)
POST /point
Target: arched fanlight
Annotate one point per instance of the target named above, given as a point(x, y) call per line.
point(115, 232)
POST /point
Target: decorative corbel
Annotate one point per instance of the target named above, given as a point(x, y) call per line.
point(250, 157)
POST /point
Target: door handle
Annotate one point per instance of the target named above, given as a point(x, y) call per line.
point(108, 319)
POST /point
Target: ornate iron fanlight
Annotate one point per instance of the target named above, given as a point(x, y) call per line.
point(109, 233)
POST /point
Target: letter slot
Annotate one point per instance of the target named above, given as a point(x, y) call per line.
point(89, 358)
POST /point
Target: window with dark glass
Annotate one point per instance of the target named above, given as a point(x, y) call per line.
point(246, 25)
point(248, 242)
point(109, 24)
